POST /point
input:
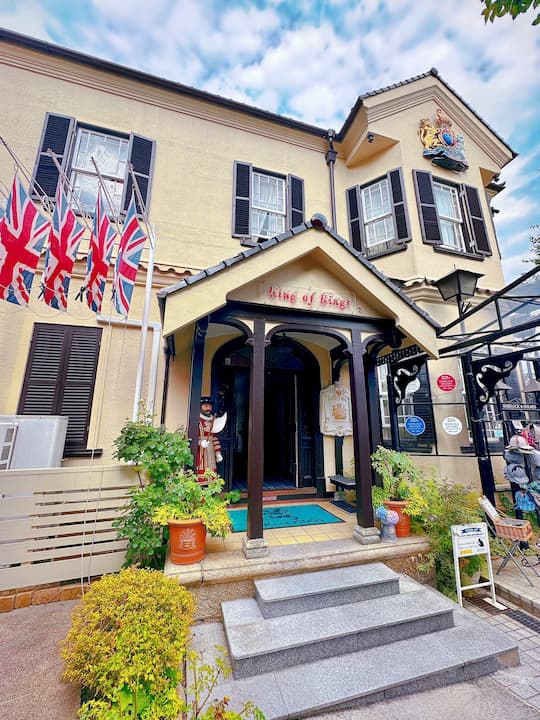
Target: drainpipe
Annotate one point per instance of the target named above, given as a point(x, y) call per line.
point(156, 341)
point(330, 158)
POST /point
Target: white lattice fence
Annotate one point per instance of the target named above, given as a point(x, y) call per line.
point(56, 524)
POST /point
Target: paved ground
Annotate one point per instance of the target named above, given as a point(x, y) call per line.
point(30, 686)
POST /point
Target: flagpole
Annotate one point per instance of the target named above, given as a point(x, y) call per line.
point(144, 326)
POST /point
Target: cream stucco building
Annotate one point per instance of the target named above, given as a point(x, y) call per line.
point(290, 260)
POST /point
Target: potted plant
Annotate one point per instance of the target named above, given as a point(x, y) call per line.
point(192, 509)
point(401, 486)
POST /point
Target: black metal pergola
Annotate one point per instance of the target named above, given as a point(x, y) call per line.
point(490, 340)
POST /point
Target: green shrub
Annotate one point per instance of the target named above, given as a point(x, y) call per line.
point(199, 680)
point(161, 456)
point(126, 645)
point(448, 504)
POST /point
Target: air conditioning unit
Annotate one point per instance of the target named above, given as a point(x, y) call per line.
point(32, 441)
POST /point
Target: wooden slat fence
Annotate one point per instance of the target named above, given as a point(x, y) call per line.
point(56, 524)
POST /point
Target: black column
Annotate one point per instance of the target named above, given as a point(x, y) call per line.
point(361, 442)
point(255, 470)
point(197, 366)
point(477, 431)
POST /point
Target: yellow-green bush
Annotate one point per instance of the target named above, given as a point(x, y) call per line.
point(126, 644)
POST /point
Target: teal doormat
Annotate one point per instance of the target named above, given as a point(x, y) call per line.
point(285, 516)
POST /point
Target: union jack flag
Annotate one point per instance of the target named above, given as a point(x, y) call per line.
point(64, 240)
point(99, 257)
point(127, 262)
point(23, 230)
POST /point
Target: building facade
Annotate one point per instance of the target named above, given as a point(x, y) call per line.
point(294, 270)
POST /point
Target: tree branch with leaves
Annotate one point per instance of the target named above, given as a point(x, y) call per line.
point(499, 8)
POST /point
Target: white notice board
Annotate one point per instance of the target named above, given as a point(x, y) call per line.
point(469, 540)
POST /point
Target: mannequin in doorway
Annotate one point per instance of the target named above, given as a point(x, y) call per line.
point(208, 446)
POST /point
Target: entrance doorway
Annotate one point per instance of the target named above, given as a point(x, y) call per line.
point(292, 441)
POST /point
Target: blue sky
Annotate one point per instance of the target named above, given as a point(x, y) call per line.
point(310, 59)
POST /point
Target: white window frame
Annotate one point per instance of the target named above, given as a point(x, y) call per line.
point(112, 167)
point(451, 225)
point(377, 213)
point(268, 219)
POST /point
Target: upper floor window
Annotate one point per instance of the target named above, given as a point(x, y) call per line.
point(451, 215)
point(265, 204)
point(268, 206)
point(75, 144)
point(110, 154)
point(378, 219)
point(450, 220)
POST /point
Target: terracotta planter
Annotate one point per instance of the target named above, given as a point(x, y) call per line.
point(403, 528)
point(187, 541)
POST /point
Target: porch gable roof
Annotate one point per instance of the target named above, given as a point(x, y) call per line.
point(199, 295)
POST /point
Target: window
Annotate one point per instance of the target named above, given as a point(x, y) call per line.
point(451, 216)
point(110, 154)
point(74, 145)
point(268, 207)
point(60, 377)
point(450, 220)
point(378, 221)
point(265, 204)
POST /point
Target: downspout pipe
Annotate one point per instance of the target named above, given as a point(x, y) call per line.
point(330, 157)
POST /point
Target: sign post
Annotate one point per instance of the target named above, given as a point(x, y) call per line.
point(469, 540)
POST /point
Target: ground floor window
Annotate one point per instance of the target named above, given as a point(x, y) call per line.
point(60, 377)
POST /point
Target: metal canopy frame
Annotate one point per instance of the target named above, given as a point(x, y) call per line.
point(514, 323)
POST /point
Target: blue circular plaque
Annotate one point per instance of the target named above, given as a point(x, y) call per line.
point(414, 425)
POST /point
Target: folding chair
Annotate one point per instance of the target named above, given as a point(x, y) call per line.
point(512, 530)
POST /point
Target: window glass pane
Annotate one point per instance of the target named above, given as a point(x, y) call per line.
point(85, 189)
point(451, 235)
point(265, 224)
point(268, 193)
point(446, 200)
point(379, 231)
point(376, 200)
point(110, 153)
point(268, 205)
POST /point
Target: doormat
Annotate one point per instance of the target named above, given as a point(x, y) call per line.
point(344, 505)
point(285, 516)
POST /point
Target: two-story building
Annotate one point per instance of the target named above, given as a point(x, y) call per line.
point(294, 267)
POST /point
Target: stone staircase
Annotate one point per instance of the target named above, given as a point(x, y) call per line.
point(341, 638)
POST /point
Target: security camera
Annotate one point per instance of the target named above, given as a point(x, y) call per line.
point(370, 137)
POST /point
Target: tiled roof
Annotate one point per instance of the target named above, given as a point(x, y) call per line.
point(122, 70)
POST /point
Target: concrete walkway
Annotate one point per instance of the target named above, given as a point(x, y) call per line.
point(30, 685)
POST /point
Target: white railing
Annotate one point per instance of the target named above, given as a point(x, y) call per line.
point(56, 524)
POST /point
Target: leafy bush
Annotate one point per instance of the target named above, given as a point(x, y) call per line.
point(191, 500)
point(448, 504)
point(401, 480)
point(162, 456)
point(199, 681)
point(126, 645)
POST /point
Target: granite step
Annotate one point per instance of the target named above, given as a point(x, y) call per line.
point(311, 591)
point(469, 650)
point(261, 645)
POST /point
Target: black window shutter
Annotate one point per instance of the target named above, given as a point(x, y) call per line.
point(60, 377)
point(429, 220)
point(295, 201)
point(476, 218)
point(356, 222)
point(57, 134)
point(241, 224)
point(395, 180)
point(141, 156)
